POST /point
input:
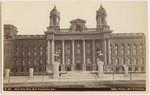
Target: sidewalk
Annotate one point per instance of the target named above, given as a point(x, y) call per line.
point(105, 77)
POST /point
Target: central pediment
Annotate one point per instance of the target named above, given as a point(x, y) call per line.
point(78, 25)
point(78, 20)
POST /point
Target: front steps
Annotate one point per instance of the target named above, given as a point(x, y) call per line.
point(79, 75)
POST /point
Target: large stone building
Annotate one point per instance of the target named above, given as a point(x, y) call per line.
point(76, 48)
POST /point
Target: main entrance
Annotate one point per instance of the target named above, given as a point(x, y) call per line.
point(78, 66)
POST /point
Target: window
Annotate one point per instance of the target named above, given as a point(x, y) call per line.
point(116, 49)
point(46, 61)
point(122, 49)
point(78, 50)
point(123, 61)
point(41, 53)
point(135, 61)
point(41, 48)
point(129, 61)
point(35, 62)
point(141, 60)
point(23, 53)
point(22, 69)
point(29, 62)
point(88, 50)
point(23, 62)
point(88, 61)
point(17, 53)
point(29, 53)
point(29, 48)
point(34, 52)
point(46, 52)
point(22, 47)
point(17, 62)
point(35, 47)
point(88, 45)
point(97, 44)
point(68, 61)
point(128, 49)
point(78, 45)
point(17, 48)
point(141, 49)
point(117, 61)
point(16, 69)
point(134, 49)
point(41, 62)
point(110, 50)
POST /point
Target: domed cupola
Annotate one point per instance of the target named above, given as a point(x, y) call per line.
point(54, 11)
point(101, 19)
point(54, 19)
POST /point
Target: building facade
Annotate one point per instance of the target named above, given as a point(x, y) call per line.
point(77, 48)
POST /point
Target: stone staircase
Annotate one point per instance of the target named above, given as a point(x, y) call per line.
point(79, 75)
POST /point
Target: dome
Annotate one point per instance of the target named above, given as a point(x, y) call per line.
point(54, 11)
point(101, 10)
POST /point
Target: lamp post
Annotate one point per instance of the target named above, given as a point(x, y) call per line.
point(56, 66)
point(100, 65)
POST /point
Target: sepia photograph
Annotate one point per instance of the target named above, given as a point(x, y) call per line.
point(75, 46)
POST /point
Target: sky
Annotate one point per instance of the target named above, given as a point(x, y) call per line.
point(32, 17)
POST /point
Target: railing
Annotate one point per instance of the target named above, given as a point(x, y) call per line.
point(105, 77)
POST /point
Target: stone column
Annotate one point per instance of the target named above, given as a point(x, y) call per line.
point(105, 52)
point(73, 65)
point(7, 72)
point(100, 68)
point(109, 55)
point(126, 69)
point(56, 70)
point(84, 64)
point(49, 66)
point(31, 70)
point(53, 50)
point(94, 63)
point(63, 57)
point(48, 52)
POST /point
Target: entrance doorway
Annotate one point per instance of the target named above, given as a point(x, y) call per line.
point(78, 66)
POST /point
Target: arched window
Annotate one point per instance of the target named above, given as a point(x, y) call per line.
point(88, 61)
point(123, 61)
point(35, 47)
point(41, 62)
point(41, 47)
point(17, 62)
point(78, 29)
point(128, 48)
point(117, 61)
point(68, 61)
point(23, 62)
point(116, 49)
point(141, 49)
point(134, 49)
point(29, 62)
point(35, 62)
point(129, 61)
point(135, 60)
point(110, 50)
point(122, 49)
